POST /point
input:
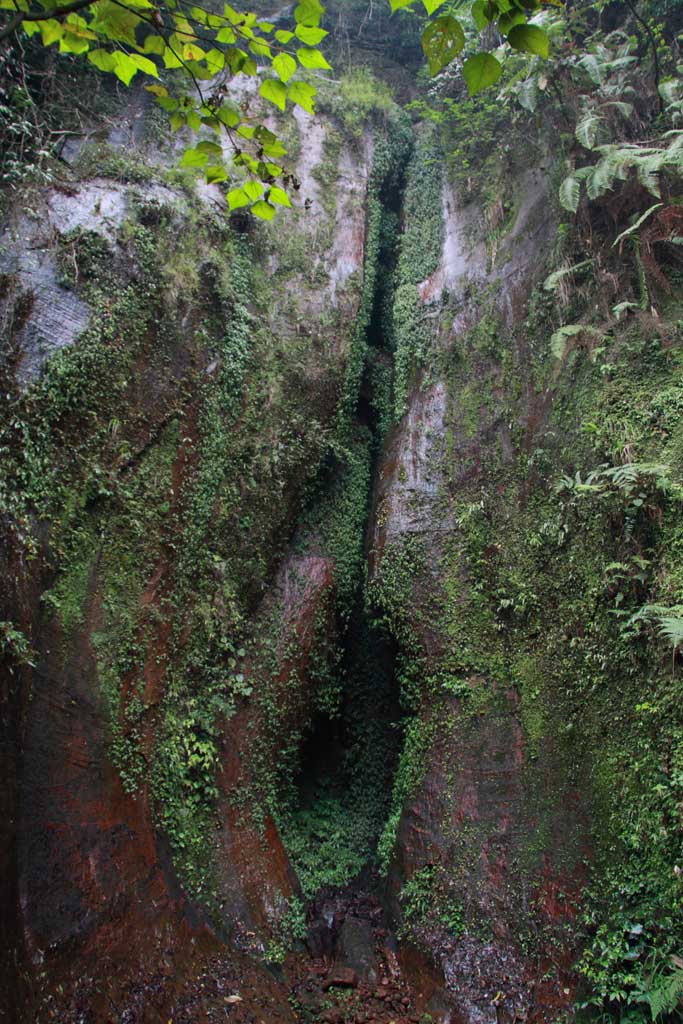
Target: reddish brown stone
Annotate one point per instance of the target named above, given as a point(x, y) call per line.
point(341, 977)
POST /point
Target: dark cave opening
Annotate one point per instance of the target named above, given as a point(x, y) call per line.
point(341, 794)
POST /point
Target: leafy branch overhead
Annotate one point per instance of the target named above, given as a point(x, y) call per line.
point(444, 38)
point(210, 47)
point(139, 37)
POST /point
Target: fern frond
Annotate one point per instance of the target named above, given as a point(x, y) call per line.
point(590, 63)
point(570, 193)
point(664, 999)
point(552, 281)
point(588, 128)
point(626, 109)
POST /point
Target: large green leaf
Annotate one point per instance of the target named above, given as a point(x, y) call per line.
point(279, 196)
point(102, 59)
point(71, 42)
point(194, 158)
point(274, 91)
point(396, 5)
point(215, 173)
point(480, 14)
point(237, 197)
point(144, 64)
point(228, 115)
point(312, 59)
point(253, 189)
point(284, 66)
point(115, 22)
point(210, 148)
point(481, 71)
point(125, 67)
point(303, 95)
point(309, 12)
point(52, 30)
point(442, 41)
point(529, 39)
point(263, 210)
point(154, 44)
point(309, 35)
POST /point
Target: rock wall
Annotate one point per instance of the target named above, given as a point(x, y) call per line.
point(202, 414)
point(504, 825)
point(174, 388)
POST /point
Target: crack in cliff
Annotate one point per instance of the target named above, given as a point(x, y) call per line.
point(341, 794)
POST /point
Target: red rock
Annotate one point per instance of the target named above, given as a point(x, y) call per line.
point(341, 977)
point(332, 1016)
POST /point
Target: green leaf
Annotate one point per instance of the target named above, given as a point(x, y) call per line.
point(154, 44)
point(253, 189)
point(215, 60)
point(271, 145)
point(442, 41)
point(260, 48)
point(279, 196)
point(194, 158)
point(263, 210)
point(115, 22)
point(530, 39)
point(634, 227)
point(125, 68)
point(481, 71)
point(274, 91)
point(506, 22)
point(312, 59)
point(558, 341)
point(284, 66)
point(309, 12)
point(102, 59)
point(432, 5)
point(170, 59)
point(479, 15)
point(210, 148)
point(226, 35)
point(570, 194)
point(309, 35)
point(215, 174)
point(70, 42)
point(167, 103)
point(396, 5)
point(144, 64)
point(302, 94)
point(228, 115)
point(52, 30)
point(274, 149)
point(233, 16)
point(236, 198)
point(283, 36)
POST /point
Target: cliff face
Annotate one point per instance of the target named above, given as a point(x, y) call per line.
point(174, 391)
point(331, 664)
